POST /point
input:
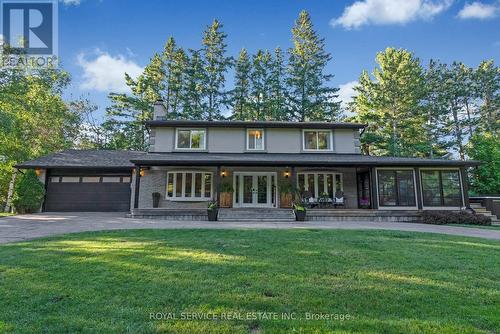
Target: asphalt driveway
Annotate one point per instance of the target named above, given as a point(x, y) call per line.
point(25, 227)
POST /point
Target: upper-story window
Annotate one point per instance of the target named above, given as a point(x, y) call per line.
point(317, 140)
point(255, 139)
point(190, 139)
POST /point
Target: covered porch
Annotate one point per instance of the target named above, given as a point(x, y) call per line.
point(188, 181)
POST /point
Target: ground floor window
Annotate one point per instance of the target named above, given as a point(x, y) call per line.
point(396, 188)
point(189, 185)
point(320, 184)
point(441, 188)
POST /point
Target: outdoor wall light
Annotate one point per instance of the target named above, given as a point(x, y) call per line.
point(223, 173)
point(142, 172)
point(38, 172)
point(287, 174)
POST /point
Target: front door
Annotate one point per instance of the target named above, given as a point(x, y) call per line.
point(254, 189)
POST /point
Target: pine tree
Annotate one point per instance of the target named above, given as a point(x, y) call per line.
point(308, 93)
point(277, 90)
point(216, 65)
point(177, 82)
point(240, 95)
point(192, 97)
point(390, 105)
point(488, 88)
point(260, 79)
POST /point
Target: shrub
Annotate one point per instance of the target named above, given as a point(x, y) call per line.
point(452, 217)
point(29, 193)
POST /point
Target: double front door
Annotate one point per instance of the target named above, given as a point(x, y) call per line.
point(254, 189)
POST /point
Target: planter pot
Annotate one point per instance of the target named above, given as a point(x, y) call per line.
point(286, 201)
point(226, 200)
point(212, 215)
point(300, 216)
point(156, 201)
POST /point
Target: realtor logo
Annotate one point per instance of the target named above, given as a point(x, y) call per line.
point(29, 28)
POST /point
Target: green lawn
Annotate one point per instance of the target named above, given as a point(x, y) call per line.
point(390, 282)
point(5, 214)
point(488, 227)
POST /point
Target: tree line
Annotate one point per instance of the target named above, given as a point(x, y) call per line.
point(429, 110)
point(268, 85)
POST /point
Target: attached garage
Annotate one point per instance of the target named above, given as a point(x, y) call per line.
point(85, 180)
point(99, 193)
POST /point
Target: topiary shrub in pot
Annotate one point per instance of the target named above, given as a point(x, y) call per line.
point(212, 211)
point(29, 193)
point(156, 200)
point(300, 212)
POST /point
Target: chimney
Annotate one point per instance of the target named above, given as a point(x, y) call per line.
point(159, 111)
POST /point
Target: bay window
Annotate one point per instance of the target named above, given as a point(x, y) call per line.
point(192, 139)
point(441, 188)
point(317, 140)
point(194, 186)
point(396, 188)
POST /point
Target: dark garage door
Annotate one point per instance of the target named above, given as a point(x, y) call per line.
point(88, 193)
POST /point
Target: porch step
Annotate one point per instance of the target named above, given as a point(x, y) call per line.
point(481, 210)
point(256, 215)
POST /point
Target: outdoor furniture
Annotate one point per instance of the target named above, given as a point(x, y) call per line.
point(339, 199)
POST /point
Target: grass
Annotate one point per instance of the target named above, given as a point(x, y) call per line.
point(387, 281)
point(487, 227)
point(5, 214)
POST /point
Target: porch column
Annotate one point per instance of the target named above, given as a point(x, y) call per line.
point(373, 187)
point(217, 186)
point(293, 175)
point(465, 186)
point(418, 187)
point(137, 186)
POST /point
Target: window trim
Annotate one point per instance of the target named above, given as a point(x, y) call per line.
point(190, 139)
point(428, 207)
point(193, 182)
point(415, 186)
point(248, 139)
point(318, 149)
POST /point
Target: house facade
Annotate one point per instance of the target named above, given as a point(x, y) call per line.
point(248, 165)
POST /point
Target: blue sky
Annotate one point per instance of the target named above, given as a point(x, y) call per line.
point(100, 39)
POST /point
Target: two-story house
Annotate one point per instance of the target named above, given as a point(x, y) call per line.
point(190, 163)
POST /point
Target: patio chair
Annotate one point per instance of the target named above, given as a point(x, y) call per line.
point(339, 199)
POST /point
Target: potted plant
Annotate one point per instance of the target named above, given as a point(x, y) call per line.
point(286, 194)
point(300, 212)
point(226, 195)
point(156, 200)
point(212, 211)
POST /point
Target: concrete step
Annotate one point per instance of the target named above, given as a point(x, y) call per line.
point(256, 214)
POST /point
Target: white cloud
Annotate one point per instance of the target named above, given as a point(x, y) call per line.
point(346, 93)
point(381, 12)
point(106, 73)
point(478, 10)
point(71, 2)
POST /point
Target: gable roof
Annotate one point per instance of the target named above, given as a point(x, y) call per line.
point(84, 158)
point(253, 124)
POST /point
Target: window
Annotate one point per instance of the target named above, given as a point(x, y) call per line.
point(189, 186)
point(396, 188)
point(318, 184)
point(191, 139)
point(441, 188)
point(70, 179)
point(55, 179)
point(317, 140)
point(255, 139)
point(110, 179)
point(91, 179)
